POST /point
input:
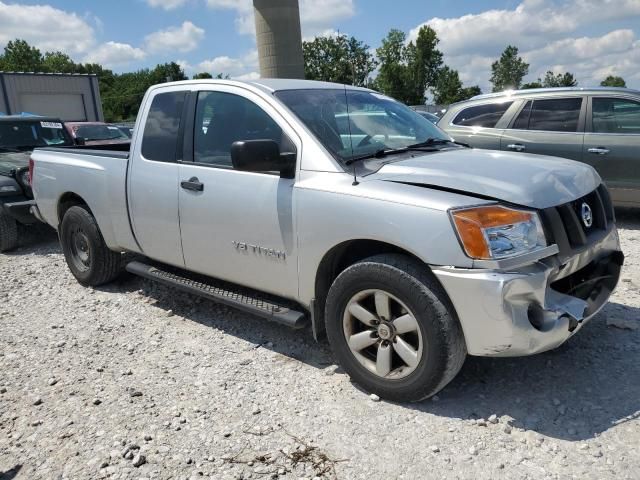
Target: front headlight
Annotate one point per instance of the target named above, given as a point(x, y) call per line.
point(493, 232)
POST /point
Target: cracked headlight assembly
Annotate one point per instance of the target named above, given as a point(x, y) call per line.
point(493, 232)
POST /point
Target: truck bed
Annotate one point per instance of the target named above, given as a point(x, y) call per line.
point(97, 176)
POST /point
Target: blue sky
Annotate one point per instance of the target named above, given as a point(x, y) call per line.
point(591, 38)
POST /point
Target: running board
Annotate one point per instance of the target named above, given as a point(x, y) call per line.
point(221, 292)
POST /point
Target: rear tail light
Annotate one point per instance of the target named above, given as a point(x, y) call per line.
point(31, 169)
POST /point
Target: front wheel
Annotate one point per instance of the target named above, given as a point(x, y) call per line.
point(86, 253)
point(393, 329)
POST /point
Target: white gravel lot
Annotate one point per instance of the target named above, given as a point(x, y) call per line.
point(134, 380)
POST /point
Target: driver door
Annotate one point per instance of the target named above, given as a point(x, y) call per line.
point(235, 225)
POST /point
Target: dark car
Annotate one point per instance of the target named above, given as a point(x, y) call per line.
point(18, 137)
point(599, 126)
point(124, 128)
point(96, 133)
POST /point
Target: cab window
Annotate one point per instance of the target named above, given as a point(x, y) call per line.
point(223, 118)
point(161, 130)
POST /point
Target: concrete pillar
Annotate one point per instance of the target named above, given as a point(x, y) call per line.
point(279, 38)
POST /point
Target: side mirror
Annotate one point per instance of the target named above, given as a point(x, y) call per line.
point(80, 141)
point(262, 156)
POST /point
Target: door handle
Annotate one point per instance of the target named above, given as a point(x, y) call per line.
point(598, 150)
point(518, 147)
point(192, 184)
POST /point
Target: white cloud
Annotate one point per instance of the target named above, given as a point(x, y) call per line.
point(113, 54)
point(241, 68)
point(182, 39)
point(46, 27)
point(186, 66)
point(248, 76)
point(316, 16)
point(544, 32)
point(167, 4)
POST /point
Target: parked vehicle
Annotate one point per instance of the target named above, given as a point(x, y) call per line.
point(408, 250)
point(598, 126)
point(19, 135)
point(126, 129)
point(432, 117)
point(96, 133)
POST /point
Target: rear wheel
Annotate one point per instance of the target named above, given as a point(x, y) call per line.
point(8, 232)
point(86, 253)
point(393, 329)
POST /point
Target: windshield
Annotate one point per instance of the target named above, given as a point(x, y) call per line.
point(25, 135)
point(354, 123)
point(99, 132)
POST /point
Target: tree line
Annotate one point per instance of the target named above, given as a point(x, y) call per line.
point(406, 71)
point(410, 71)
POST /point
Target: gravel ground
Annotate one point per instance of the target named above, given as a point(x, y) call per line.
point(134, 380)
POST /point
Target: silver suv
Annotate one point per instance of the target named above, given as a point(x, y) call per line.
point(598, 126)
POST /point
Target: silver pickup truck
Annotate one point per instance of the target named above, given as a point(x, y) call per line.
point(307, 202)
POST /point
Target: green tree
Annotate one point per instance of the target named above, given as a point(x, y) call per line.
point(509, 70)
point(448, 88)
point(407, 71)
point(58, 62)
point(424, 61)
point(167, 72)
point(559, 80)
point(202, 75)
point(19, 56)
point(469, 92)
point(613, 81)
point(338, 59)
point(552, 80)
point(392, 74)
point(536, 84)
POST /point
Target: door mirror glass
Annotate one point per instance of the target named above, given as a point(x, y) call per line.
point(80, 141)
point(262, 156)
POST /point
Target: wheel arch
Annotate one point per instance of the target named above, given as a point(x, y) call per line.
point(335, 261)
point(68, 200)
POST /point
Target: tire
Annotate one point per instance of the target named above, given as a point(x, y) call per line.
point(8, 232)
point(429, 326)
point(86, 253)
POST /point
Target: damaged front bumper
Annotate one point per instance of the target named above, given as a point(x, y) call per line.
point(532, 308)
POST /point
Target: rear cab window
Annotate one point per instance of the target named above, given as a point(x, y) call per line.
point(486, 116)
point(161, 138)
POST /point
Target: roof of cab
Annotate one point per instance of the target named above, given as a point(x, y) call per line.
point(270, 85)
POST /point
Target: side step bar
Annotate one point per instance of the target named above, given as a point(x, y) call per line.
point(221, 292)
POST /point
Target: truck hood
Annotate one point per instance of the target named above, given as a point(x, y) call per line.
point(535, 181)
point(10, 162)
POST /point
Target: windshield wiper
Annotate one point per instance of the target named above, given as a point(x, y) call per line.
point(391, 151)
point(438, 141)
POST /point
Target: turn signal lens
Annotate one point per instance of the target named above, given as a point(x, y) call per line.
point(493, 232)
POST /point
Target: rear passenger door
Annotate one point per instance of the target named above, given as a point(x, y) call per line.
point(612, 145)
point(236, 225)
point(152, 184)
point(551, 126)
point(480, 125)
